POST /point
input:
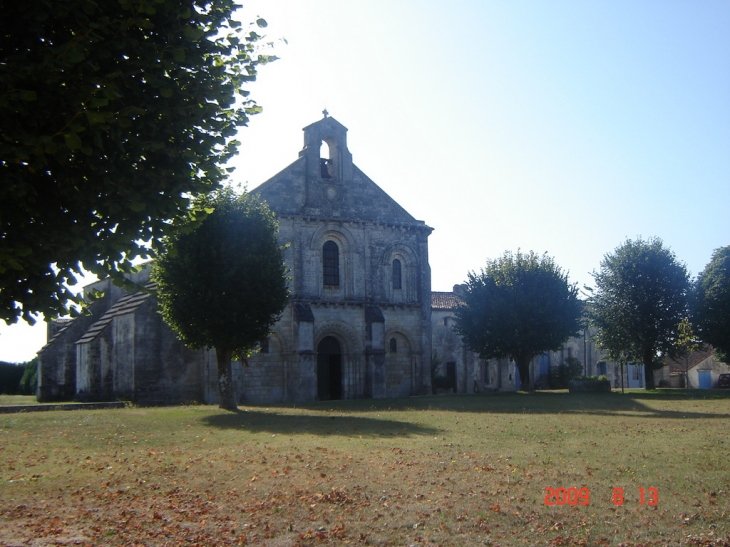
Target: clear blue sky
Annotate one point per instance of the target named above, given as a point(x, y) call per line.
point(562, 127)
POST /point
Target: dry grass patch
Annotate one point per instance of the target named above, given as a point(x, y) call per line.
point(18, 400)
point(466, 470)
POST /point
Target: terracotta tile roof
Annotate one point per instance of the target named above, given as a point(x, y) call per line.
point(445, 300)
point(694, 359)
point(126, 304)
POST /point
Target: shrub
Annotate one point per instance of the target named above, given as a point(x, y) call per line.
point(441, 382)
point(561, 376)
point(589, 384)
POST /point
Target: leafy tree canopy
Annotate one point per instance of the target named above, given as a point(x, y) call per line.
point(711, 303)
point(519, 306)
point(112, 113)
point(223, 284)
point(639, 303)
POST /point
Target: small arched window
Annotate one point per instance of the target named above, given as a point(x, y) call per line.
point(393, 345)
point(397, 283)
point(331, 263)
point(325, 161)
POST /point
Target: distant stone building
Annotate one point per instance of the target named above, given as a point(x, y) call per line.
point(470, 374)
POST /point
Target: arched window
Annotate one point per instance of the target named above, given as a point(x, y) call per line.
point(393, 345)
point(325, 161)
point(331, 263)
point(397, 284)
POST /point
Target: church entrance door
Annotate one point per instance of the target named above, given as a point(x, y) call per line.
point(329, 369)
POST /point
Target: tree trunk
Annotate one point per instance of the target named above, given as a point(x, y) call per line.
point(523, 365)
point(226, 389)
point(649, 368)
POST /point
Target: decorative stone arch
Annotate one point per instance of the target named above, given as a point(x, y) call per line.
point(278, 343)
point(353, 368)
point(401, 335)
point(346, 243)
point(340, 330)
point(331, 231)
point(409, 267)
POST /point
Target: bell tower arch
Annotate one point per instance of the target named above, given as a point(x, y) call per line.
point(325, 151)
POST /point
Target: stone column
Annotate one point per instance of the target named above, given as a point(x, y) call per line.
point(375, 351)
point(305, 385)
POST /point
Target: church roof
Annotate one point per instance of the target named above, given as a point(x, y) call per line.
point(445, 301)
point(330, 188)
point(64, 323)
point(126, 304)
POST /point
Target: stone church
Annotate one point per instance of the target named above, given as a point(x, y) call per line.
point(358, 323)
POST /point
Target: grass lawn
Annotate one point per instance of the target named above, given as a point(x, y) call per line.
point(18, 400)
point(451, 470)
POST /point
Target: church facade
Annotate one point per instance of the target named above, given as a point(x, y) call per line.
point(358, 323)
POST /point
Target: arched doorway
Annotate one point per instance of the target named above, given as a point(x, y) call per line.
point(329, 369)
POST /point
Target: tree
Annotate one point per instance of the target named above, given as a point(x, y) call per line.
point(10, 376)
point(711, 303)
point(519, 306)
point(223, 284)
point(29, 381)
point(639, 303)
point(112, 113)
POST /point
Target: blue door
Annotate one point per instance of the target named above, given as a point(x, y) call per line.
point(705, 377)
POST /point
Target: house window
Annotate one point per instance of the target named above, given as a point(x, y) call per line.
point(331, 263)
point(601, 368)
point(397, 275)
point(393, 345)
point(446, 321)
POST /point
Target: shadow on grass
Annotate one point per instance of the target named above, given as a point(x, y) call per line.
point(313, 423)
point(541, 402)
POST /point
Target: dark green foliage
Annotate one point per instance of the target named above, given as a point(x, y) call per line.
point(441, 382)
point(711, 303)
point(223, 285)
point(10, 376)
point(29, 381)
point(112, 113)
point(561, 375)
point(639, 304)
point(518, 307)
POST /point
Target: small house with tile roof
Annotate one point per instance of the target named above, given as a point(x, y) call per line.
point(464, 371)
